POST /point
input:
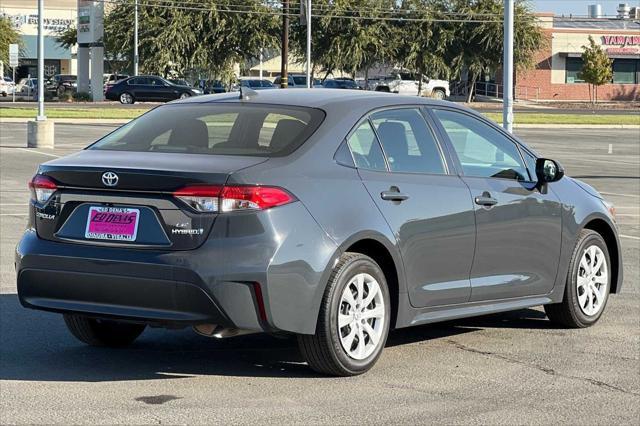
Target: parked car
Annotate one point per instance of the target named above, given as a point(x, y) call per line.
point(27, 87)
point(406, 83)
point(7, 86)
point(254, 84)
point(148, 88)
point(111, 79)
point(340, 83)
point(211, 86)
point(297, 81)
point(60, 84)
point(331, 215)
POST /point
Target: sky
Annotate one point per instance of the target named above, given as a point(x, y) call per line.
point(579, 7)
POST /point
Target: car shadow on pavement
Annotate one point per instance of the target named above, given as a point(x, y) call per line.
point(36, 346)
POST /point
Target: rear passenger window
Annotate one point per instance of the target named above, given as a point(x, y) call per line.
point(408, 143)
point(365, 148)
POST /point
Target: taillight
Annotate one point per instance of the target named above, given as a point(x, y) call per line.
point(217, 198)
point(42, 188)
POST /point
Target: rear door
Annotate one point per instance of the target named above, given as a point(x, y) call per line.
point(428, 208)
point(518, 223)
point(161, 90)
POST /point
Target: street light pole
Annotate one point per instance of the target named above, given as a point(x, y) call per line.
point(308, 16)
point(135, 37)
point(284, 77)
point(507, 95)
point(41, 116)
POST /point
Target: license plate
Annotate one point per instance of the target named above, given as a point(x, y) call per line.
point(112, 223)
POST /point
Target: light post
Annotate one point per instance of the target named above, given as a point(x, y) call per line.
point(507, 95)
point(135, 37)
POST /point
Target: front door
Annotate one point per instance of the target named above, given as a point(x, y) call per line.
point(518, 223)
point(428, 209)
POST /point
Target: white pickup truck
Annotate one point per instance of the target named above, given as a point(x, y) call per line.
point(406, 83)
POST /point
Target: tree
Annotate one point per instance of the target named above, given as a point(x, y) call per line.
point(8, 35)
point(191, 36)
point(478, 46)
point(596, 68)
point(342, 39)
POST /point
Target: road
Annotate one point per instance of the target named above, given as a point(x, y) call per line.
point(507, 368)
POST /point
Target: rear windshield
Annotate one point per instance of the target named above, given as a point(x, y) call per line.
point(223, 129)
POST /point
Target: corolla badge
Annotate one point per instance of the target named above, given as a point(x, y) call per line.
point(109, 179)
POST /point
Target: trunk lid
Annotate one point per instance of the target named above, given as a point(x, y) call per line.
point(143, 191)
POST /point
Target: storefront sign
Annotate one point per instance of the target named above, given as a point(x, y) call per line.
point(49, 24)
point(620, 40)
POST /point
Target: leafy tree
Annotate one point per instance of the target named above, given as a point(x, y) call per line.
point(8, 35)
point(342, 39)
point(596, 68)
point(478, 46)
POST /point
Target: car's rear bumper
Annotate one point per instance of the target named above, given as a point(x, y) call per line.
point(263, 271)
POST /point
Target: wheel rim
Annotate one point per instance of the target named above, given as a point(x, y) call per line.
point(361, 316)
point(125, 98)
point(592, 280)
point(439, 95)
point(184, 96)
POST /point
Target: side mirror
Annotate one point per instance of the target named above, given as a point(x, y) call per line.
point(548, 170)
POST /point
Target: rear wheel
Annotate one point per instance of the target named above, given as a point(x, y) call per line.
point(353, 323)
point(97, 332)
point(126, 98)
point(588, 284)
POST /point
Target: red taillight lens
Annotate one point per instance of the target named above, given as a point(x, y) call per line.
point(42, 188)
point(216, 198)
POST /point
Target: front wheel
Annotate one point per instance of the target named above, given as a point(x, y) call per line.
point(439, 94)
point(184, 95)
point(97, 332)
point(354, 318)
point(588, 284)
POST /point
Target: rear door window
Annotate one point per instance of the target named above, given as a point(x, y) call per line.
point(232, 129)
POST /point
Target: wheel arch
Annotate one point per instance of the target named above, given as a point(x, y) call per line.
point(385, 254)
point(608, 233)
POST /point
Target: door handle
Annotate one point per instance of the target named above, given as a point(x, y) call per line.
point(393, 195)
point(486, 200)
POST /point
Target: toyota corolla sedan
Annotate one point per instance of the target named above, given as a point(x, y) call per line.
point(331, 215)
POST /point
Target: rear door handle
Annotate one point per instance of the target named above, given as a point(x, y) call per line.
point(393, 196)
point(486, 200)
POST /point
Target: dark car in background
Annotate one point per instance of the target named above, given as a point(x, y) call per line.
point(148, 88)
point(254, 84)
point(209, 87)
point(331, 215)
point(297, 81)
point(60, 84)
point(340, 83)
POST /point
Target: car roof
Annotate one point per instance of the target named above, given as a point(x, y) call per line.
point(318, 98)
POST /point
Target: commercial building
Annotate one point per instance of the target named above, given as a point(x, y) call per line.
point(58, 15)
point(557, 72)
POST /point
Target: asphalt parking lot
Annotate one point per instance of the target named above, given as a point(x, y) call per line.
point(513, 368)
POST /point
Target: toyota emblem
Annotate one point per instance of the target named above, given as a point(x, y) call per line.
point(109, 179)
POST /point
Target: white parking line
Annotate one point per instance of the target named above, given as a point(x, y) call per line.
point(631, 237)
point(14, 214)
point(620, 195)
point(38, 152)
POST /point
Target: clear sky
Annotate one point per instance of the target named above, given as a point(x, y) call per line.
point(579, 7)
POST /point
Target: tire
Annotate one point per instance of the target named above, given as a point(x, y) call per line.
point(184, 95)
point(95, 332)
point(578, 308)
point(126, 98)
point(384, 89)
point(60, 91)
point(439, 94)
point(325, 351)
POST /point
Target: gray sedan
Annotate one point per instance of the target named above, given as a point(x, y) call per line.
point(331, 215)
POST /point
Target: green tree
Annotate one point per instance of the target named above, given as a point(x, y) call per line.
point(478, 46)
point(8, 35)
point(596, 68)
point(342, 39)
point(191, 36)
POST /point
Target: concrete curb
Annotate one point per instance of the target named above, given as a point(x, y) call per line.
point(516, 125)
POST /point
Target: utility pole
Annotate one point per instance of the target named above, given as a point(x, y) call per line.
point(284, 77)
point(135, 37)
point(507, 68)
point(308, 16)
point(41, 116)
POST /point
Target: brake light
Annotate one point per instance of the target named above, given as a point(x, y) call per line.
point(217, 198)
point(42, 188)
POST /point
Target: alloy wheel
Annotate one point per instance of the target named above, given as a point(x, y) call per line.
point(592, 280)
point(126, 98)
point(361, 316)
point(184, 96)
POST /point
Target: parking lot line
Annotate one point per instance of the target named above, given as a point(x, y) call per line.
point(38, 152)
point(620, 195)
point(631, 237)
point(14, 214)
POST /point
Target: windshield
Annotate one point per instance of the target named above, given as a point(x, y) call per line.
point(231, 129)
